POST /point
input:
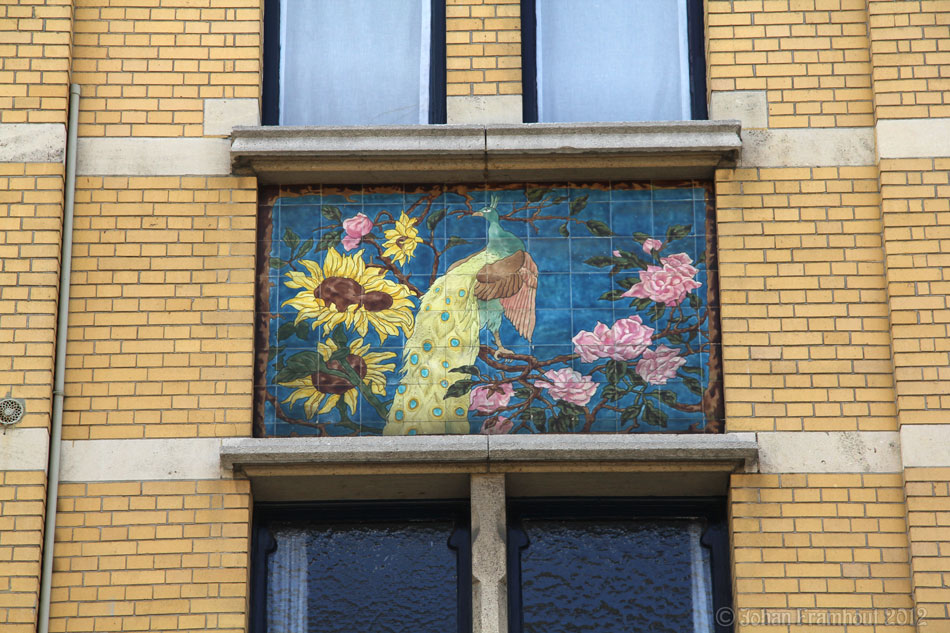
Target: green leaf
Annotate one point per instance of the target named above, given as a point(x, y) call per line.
point(291, 240)
point(340, 338)
point(562, 230)
point(659, 309)
point(571, 408)
point(635, 378)
point(329, 240)
point(600, 261)
point(534, 194)
point(459, 388)
point(271, 353)
point(616, 370)
point(276, 262)
point(641, 304)
point(654, 416)
point(676, 339)
point(692, 370)
point(434, 218)
point(631, 413)
point(613, 393)
point(632, 260)
point(612, 295)
point(299, 365)
point(535, 415)
point(302, 330)
point(694, 301)
point(305, 247)
point(693, 385)
point(471, 370)
point(455, 240)
point(702, 258)
point(641, 237)
point(285, 331)
point(523, 393)
point(578, 204)
point(598, 228)
point(331, 213)
point(676, 232)
point(559, 200)
point(628, 282)
point(667, 397)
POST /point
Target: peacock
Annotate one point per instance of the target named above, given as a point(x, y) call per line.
point(474, 293)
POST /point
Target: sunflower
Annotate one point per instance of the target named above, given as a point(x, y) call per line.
point(401, 241)
point(347, 291)
point(323, 390)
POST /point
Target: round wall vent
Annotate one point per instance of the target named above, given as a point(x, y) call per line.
point(11, 411)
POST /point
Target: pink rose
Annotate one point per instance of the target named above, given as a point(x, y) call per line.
point(490, 398)
point(496, 426)
point(355, 227)
point(625, 340)
point(668, 284)
point(616, 253)
point(658, 366)
point(650, 245)
point(568, 385)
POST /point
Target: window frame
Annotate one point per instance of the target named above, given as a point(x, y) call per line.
point(270, 88)
point(715, 536)
point(695, 30)
point(262, 543)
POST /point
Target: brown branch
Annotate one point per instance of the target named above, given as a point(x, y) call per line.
point(391, 267)
point(320, 426)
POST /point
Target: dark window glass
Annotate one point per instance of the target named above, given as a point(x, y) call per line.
point(394, 569)
point(618, 565)
point(623, 576)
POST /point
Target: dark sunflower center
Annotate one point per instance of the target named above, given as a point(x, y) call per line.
point(337, 385)
point(343, 292)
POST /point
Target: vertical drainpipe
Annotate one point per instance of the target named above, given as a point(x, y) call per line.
point(59, 371)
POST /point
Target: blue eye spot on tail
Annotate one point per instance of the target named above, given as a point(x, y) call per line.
point(444, 383)
point(460, 411)
point(414, 359)
point(454, 342)
point(413, 403)
point(437, 412)
point(427, 346)
point(445, 316)
point(399, 415)
point(401, 389)
point(425, 373)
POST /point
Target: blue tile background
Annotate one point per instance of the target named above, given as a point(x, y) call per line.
point(571, 294)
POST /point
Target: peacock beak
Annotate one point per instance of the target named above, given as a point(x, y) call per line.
point(478, 214)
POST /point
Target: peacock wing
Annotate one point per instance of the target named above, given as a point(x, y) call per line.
point(514, 282)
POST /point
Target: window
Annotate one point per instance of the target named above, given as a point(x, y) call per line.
point(354, 62)
point(362, 567)
point(613, 60)
point(617, 566)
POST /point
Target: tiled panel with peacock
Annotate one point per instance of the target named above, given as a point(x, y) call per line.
point(564, 308)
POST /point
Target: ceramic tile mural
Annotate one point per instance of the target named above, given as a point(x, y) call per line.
point(574, 308)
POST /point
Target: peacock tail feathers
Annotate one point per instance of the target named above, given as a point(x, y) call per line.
point(445, 337)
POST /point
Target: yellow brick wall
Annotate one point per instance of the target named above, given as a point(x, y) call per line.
point(928, 517)
point(483, 47)
point(806, 341)
point(22, 495)
point(916, 211)
point(146, 68)
point(161, 340)
point(152, 556)
point(34, 60)
point(810, 56)
point(813, 546)
point(910, 55)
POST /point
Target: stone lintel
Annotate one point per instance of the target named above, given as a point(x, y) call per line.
point(498, 152)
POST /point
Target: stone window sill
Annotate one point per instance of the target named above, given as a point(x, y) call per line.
point(672, 150)
point(296, 469)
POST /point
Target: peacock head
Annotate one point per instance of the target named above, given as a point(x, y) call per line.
point(490, 212)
